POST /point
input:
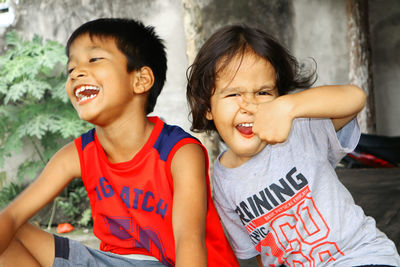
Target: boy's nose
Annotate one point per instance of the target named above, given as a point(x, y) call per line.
point(78, 72)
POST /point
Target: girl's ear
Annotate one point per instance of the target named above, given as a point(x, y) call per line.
point(209, 115)
point(143, 80)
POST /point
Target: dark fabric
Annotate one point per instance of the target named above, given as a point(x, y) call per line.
point(61, 247)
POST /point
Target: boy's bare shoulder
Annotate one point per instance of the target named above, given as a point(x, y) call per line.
point(190, 151)
point(67, 160)
point(189, 161)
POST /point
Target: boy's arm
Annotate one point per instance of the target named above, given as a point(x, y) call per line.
point(60, 170)
point(190, 205)
point(273, 119)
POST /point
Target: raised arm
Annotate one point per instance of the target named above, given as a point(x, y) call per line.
point(61, 169)
point(273, 119)
point(190, 206)
point(341, 103)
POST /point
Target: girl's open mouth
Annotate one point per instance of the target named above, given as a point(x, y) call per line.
point(245, 129)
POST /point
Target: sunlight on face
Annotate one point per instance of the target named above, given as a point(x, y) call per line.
point(247, 80)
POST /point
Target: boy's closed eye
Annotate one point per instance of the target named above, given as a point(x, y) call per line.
point(94, 59)
point(91, 60)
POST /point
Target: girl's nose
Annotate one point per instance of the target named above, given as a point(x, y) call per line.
point(248, 97)
point(250, 107)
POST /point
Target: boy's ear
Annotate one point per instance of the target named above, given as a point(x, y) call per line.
point(143, 80)
point(209, 115)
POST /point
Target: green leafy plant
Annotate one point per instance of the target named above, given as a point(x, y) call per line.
point(74, 203)
point(86, 218)
point(34, 107)
point(9, 192)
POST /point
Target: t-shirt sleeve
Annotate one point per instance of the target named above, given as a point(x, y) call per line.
point(236, 233)
point(336, 144)
point(346, 141)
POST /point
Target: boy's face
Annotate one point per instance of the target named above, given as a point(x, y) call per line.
point(253, 83)
point(98, 84)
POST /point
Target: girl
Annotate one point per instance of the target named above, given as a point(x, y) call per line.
point(275, 186)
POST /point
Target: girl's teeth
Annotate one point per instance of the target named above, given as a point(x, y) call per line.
point(246, 124)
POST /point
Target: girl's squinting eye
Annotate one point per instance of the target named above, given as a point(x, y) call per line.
point(232, 95)
point(70, 70)
point(263, 93)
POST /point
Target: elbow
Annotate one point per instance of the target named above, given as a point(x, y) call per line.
point(359, 97)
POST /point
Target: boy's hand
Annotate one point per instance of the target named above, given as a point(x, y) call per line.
point(272, 120)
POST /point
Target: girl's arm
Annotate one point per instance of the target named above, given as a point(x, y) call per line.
point(60, 170)
point(341, 103)
point(189, 205)
point(273, 119)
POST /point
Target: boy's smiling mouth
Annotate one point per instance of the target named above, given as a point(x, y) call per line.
point(245, 129)
point(85, 92)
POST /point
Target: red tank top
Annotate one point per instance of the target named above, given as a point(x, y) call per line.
point(131, 202)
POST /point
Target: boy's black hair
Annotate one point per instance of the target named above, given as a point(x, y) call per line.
point(225, 44)
point(140, 45)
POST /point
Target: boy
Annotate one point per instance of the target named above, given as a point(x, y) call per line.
point(149, 206)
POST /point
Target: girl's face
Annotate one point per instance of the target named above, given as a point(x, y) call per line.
point(250, 81)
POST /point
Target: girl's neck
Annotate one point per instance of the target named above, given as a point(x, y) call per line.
point(230, 160)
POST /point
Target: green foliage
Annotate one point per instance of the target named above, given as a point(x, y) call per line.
point(9, 192)
point(74, 201)
point(33, 104)
point(34, 108)
point(86, 219)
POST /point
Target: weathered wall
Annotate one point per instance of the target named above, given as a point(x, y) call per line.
point(385, 41)
point(274, 16)
point(321, 33)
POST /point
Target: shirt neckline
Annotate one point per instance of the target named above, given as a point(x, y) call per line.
point(158, 125)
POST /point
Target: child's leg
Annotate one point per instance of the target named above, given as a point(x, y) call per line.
point(34, 242)
point(17, 255)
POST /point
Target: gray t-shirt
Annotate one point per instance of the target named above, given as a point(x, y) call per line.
point(287, 204)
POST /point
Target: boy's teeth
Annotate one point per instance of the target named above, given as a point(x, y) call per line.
point(87, 97)
point(246, 124)
point(84, 88)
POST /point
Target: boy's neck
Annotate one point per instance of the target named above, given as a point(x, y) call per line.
point(122, 141)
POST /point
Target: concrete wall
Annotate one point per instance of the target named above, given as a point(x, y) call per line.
point(274, 16)
point(320, 33)
point(385, 42)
